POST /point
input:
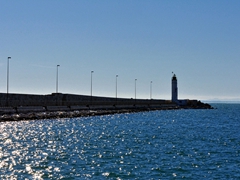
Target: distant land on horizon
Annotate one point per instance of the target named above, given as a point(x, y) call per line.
point(222, 101)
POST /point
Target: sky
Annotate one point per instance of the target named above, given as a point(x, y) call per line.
point(135, 39)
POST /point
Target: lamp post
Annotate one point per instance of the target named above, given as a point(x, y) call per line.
point(135, 89)
point(91, 85)
point(8, 74)
point(150, 90)
point(91, 81)
point(116, 85)
point(57, 80)
point(8, 78)
point(116, 88)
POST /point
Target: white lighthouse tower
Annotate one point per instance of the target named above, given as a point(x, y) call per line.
point(174, 89)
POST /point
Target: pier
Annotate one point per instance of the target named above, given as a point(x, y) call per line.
point(58, 105)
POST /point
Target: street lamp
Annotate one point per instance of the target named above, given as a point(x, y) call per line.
point(116, 88)
point(151, 90)
point(57, 80)
point(135, 88)
point(8, 74)
point(91, 85)
point(91, 82)
point(8, 78)
point(116, 85)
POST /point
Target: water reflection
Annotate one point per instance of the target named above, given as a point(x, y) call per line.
point(128, 146)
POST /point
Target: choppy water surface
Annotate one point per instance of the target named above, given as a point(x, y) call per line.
point(190, 144)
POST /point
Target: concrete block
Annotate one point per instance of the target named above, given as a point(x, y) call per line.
point(75, 108)
point(58, 108)
point(7, 110)
point(25, 109)
point(168, 105)
point(102, 107)
point(125, 107)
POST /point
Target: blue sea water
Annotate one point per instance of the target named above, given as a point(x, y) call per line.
point(170, 144)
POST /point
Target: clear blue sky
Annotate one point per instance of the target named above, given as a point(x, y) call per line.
point(137, 39)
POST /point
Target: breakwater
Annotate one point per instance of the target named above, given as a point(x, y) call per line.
point(59, 99)
point(58, 105)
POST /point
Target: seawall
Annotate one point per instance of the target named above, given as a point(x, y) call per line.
point(28, 106)
point(59, 99)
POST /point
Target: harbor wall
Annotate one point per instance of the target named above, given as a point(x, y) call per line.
point(59, 99)
point(26, 106)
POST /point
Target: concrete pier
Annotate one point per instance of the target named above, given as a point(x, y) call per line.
point(57, 105)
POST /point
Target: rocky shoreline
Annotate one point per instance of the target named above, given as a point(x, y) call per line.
point(86, 113)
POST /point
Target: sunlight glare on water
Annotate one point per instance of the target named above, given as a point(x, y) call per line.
point(194, 144)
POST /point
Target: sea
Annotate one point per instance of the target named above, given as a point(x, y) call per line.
point(165, 144)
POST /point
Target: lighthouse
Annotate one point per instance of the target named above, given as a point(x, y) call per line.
point(174, 89)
